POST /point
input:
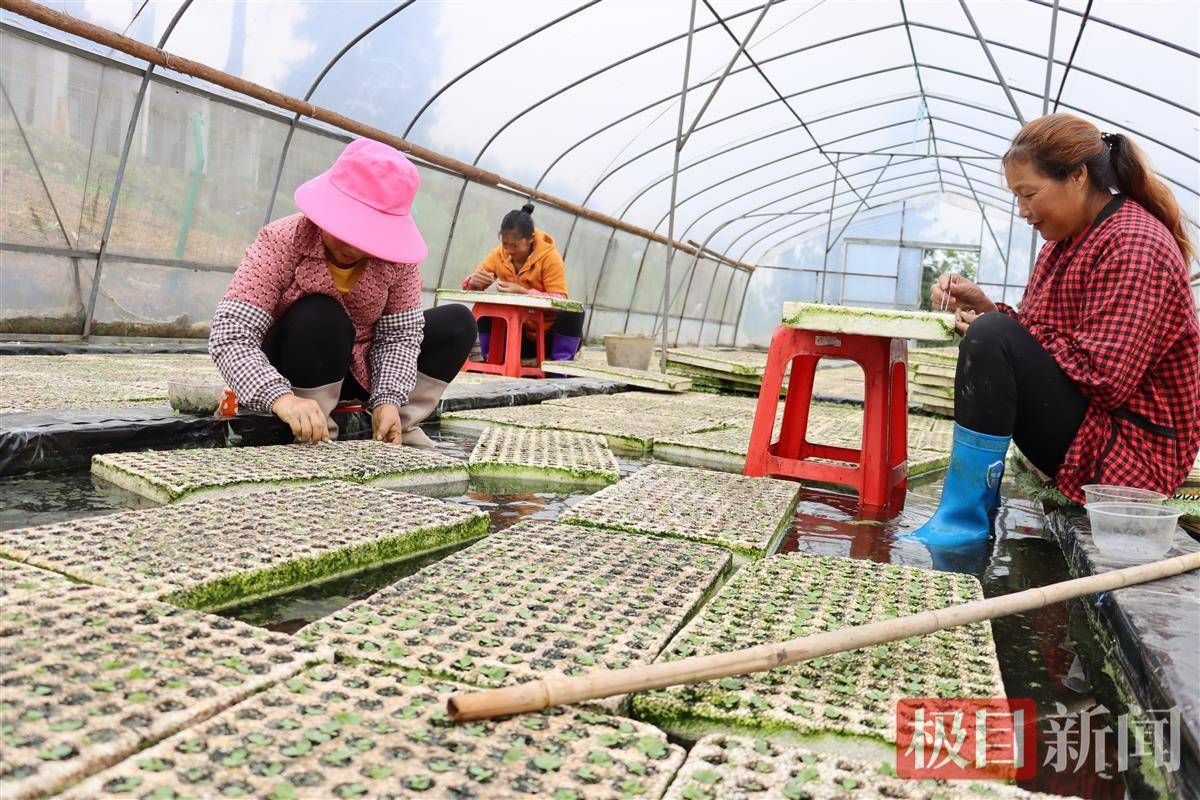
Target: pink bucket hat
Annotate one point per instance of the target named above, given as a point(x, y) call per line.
point(365, 199)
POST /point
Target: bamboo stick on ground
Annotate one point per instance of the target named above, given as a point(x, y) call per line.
point(536, 695)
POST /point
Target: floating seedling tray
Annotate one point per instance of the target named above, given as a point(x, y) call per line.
point(91, 676)
point(234, 549)
point(844, 702)
point(20, 581)
point(644, 379)
point(924, 325)
point(533, 599)
point(77, 382)
point(745, 515)
point(167, 476)
point(706, 408)
point(371, 731)
point(748, 363)
point(628, 433)
point(722, 767)
point(530, 456)
point(499, 298)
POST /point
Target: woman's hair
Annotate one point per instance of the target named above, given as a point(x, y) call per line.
point(519, 221)
point(1058, 144)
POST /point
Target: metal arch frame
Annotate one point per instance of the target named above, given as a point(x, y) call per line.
point(346, 48)
point(929, 188)
point(769, 234)
point(1087, 12)
point(668, 98)
point(525, 36)
point(119, 178)
point(987, 222)
point(758, 68)
point(1123, 29)
point(987, 51)
point(912, 48)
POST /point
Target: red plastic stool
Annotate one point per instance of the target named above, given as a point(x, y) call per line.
point(878, 471)
point(504, 352)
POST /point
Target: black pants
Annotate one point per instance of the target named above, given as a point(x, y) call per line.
point(311, 343)
point(567, 323)
point(1008, 385)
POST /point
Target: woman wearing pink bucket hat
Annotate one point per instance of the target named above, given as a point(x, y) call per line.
point(326, 307)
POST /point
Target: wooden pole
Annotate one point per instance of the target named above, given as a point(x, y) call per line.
point(535, 695)
point(146, 52)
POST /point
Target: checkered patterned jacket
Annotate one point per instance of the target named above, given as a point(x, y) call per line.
point(287, 262)
point(1116, 313)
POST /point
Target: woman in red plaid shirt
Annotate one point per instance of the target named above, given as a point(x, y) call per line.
point(1097, 374)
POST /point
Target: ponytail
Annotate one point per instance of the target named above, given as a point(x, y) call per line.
point(1133, 176)
point(1058, 144)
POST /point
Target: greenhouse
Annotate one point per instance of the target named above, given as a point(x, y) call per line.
point(585, 398)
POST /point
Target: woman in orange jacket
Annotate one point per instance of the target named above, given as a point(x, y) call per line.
point(526, 262)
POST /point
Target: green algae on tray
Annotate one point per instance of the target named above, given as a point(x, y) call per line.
point(92, 675)
point(529, 455)
point(846, 701)
point(745, 515)
point(371, 731)
point(228, 550)
point(530, 600)
point(924, 325)
point(523, 300)
point(625, 432)
point(168, 476)
point(20, 581)
point(721, 767)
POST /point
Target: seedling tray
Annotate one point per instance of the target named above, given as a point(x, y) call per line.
point(372, 731)
point(844, 702)
point(168, 476)
point(530, 456)
point(234, 549)
point(20, 581)
point(91, 676)
point(533, 599)
point(925, 325)
point(644, 379)
point(523, 300)
point(745, 515)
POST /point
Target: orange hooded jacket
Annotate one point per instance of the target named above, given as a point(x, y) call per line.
point(543, 272)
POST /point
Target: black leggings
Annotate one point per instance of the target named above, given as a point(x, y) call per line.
point(311, 343)
point(567, 323)
point(1008, 385)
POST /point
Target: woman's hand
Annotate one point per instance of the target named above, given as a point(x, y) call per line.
point(963, 319)
point(480, 279)
point(303, 416)
point(385, 423)
point(511, 288)
point(955, 293)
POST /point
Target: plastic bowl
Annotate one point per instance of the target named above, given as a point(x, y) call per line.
point(195, 395)
point(1133, 531)
point(1105, 493)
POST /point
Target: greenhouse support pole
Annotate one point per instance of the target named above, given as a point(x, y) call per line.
point(666, 299)
point(120, 176)
point(1007, 246)
point(987, 51)
point(287, 141)
point(829, 229)
point(189, 205)
point(1033, 247)
point(983, 213)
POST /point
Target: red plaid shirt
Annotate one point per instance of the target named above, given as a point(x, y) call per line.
point(1115, 311)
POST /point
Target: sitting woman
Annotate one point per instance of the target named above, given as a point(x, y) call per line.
point(1096, 375)
point(526, 262)
point(326, 306)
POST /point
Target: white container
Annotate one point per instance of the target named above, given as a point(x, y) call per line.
point(198, 395)
point(1133, 531)
point(628, 351)
point(1107, 493)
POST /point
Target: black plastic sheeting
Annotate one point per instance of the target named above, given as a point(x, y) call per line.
point(35, 441)
point(84, 348)
point(1155, 629)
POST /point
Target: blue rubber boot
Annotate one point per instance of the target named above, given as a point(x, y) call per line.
point(971, 491)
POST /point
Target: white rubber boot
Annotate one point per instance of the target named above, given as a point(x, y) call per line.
point(327, 397)
point(422, 402)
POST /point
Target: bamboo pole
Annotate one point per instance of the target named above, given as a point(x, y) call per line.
point(535, 695)
point(140, 50)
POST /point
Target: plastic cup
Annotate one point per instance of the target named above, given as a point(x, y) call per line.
point(1107, 493)
point(1133, 531)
